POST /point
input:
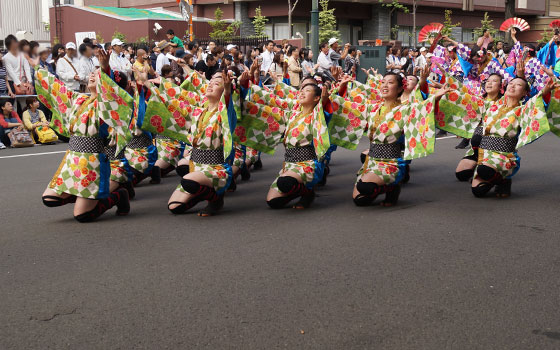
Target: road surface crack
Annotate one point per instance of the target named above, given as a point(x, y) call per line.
point(54, 316)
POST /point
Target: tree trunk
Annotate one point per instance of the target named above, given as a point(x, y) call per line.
point(394, 14)
point(510, 12)
point(414, 5)
point(290, 18)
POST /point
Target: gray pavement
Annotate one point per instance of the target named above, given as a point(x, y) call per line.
point(442, 270)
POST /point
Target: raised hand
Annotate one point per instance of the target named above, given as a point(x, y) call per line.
point(103, 59)
point(226, 77)
point(444, 90)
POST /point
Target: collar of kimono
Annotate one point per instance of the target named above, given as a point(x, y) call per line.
point(504, 109)
point(381, 113)
point(80, 110)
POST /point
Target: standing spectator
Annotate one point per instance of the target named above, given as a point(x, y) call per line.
point(324, 61)
point(238, 62)
point(25, 47)
point(352, 61)
point(9, 120)
point(209, 48)
point(192, 50)
point(207, 68)
point(307, 66)
point(166, 72)
point(94, 59)
point(33, 117)
point(43, 57)
point(334, 55)
point(188, 66)
point(162, 58)
point(421, 61)
point(294, 66)
point(141, 68)
point(57, 51)
point(218, 52)
point(33, 49)
point(277, 66)
point(484, 40)
point(118, 62)
point(267, 57)
point(251, 57)
point(173, 40)
point(395, 60)
point(154, 52)
point(86, 65)
point(17, 67)
point(177, 66)
point(4, 87)
point(389, 59)
point(67, 68)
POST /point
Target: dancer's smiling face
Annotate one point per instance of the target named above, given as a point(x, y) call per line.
point(391, 88)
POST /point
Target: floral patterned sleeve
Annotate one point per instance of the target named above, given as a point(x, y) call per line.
point(349, 120)
point(533, 121)
point(195, 83)
point(169, 110)
point(57, 98)
point(419, 129)
point(553, 112)
point(464, 51)
point(115, 107)
point(514, 54)
point(459, 111)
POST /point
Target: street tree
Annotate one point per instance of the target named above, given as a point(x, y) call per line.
point(259, 22)
point(290, 10)
point(485, 25)
point(448, 25)
point(327, 23)
point(222, 30)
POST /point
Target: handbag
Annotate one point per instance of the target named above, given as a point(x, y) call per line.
point(45, 134)
point(22, 89)
point(19, 137)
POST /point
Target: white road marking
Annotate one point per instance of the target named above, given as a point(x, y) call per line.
point(32, 154)
point(43, 153)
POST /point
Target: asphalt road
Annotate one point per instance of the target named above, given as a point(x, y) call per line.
point(442, 270)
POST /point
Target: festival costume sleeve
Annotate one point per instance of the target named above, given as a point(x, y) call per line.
point(370, 91)
point(533, 122)
point(58, 99)
point(463, 51)
point(115, 108)
point(321, 139)
point(419, 129)
point(196, 83)
point(348, 121)
point(261, 125)
point(459, 112)
point(285, 91)
point(169, 111)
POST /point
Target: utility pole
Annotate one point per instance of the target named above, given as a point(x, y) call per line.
point(510, 12)
point(414, 5)
point(315, 29)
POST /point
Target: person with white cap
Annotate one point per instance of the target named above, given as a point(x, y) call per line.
point(67, 68)
point(162, 58)
point(421, 61)
point(117, 61)
point(334, 55)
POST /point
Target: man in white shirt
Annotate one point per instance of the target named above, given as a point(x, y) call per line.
point(67, 68)
point(324, 61)
point(421, 61)
point(86, 63)
point(117, 61)
point(162, 58)
point(267, 57)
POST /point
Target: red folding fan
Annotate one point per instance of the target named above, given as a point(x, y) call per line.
point(555, 24)
point(429, 31)
point(516, 22)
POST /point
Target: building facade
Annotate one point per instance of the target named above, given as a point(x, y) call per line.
point(357, 19)
point(25, 17)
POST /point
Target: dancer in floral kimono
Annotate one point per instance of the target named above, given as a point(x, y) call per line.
point(170, 112)
point(507, 125)
point(382, 171)
point(83, 175)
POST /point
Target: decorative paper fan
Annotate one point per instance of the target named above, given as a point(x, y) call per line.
point(429, 31)
point(516, 22)
point(555, 24)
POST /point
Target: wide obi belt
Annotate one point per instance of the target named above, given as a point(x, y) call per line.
point(208, 156)
point(140, 141)
point(384, 150)
point(300, 154)
point(84, 144)
point(498, 144)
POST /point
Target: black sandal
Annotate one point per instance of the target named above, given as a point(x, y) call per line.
point(392, 196)
point(213, 207)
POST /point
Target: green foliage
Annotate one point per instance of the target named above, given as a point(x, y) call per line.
point(546, 35)
point(485, 24)
point(327, 23)
point(143, 40)
point(395, 31)
point(395, 5)
point(259, 22)
point(119, 35)
point(448, 24)
point(56, 40)
point(222, 30)
point(99, 38)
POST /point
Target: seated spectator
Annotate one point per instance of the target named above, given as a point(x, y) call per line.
point(33, 117)
point(9, 120)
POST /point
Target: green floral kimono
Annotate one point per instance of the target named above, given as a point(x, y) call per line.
point(460, 113)
point(183, 115)
point(85, 174)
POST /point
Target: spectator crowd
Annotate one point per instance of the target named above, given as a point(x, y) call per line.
point(170, 58)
